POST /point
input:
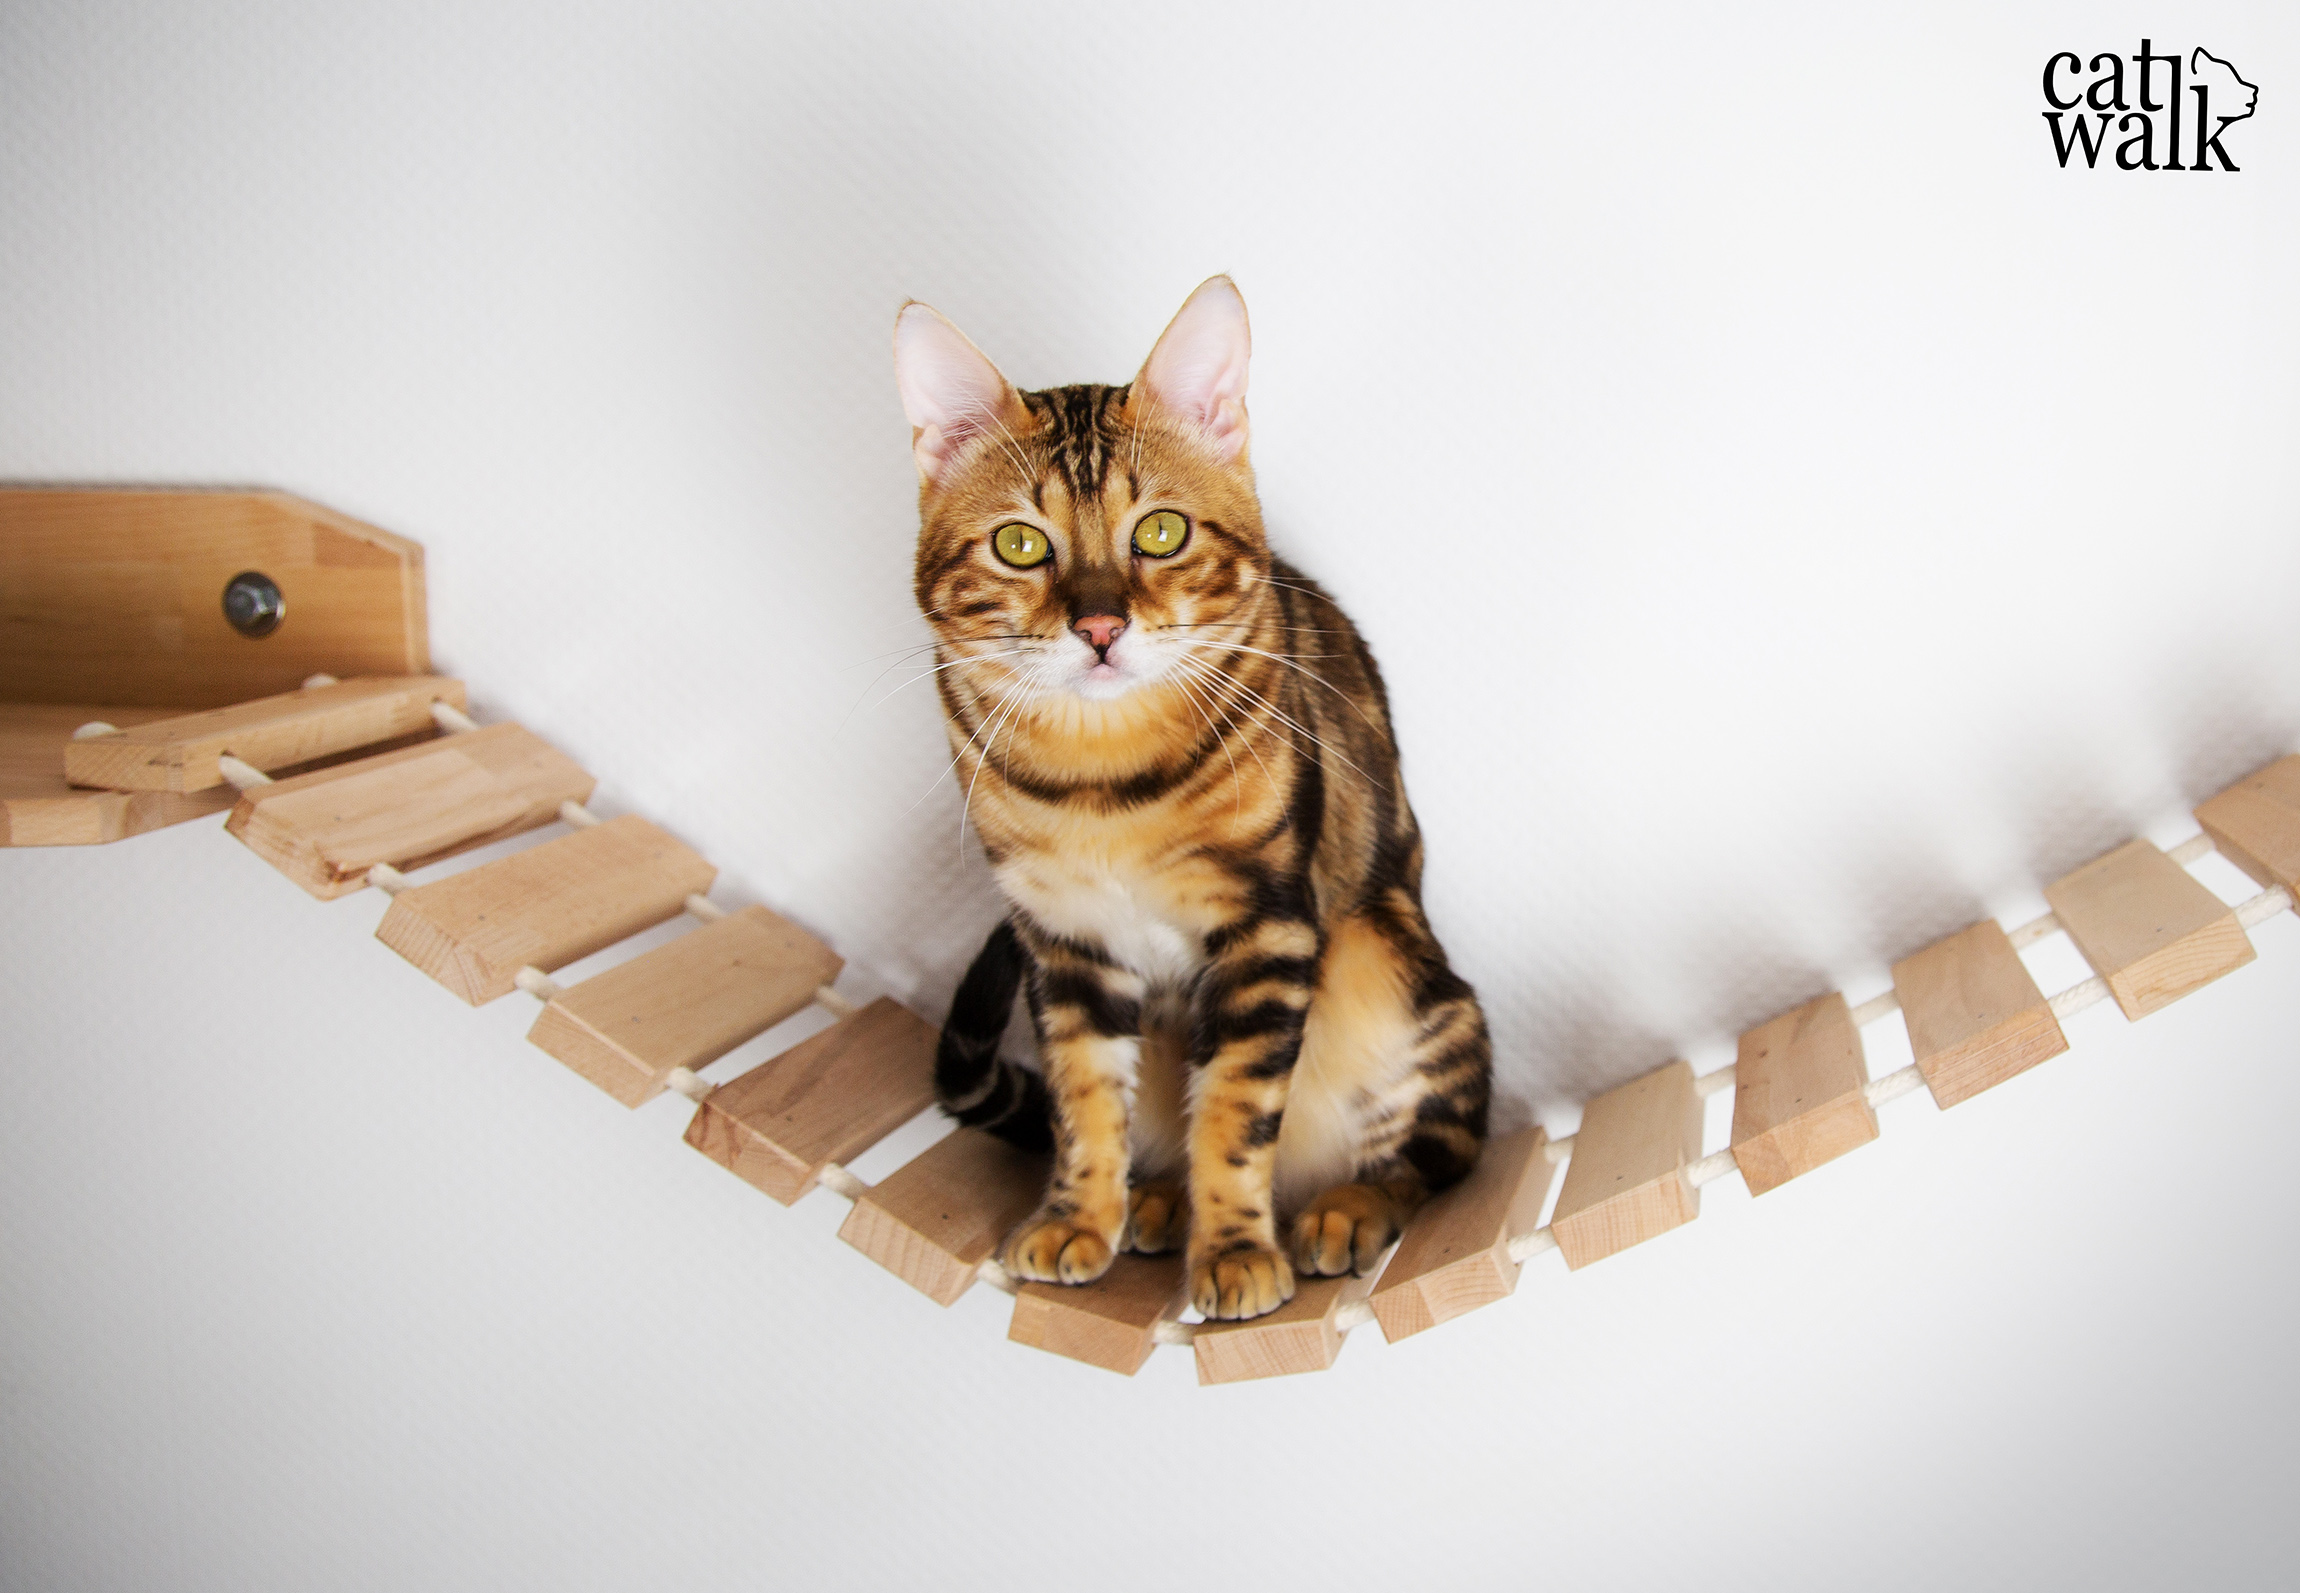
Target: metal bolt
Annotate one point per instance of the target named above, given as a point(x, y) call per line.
point(253, 604)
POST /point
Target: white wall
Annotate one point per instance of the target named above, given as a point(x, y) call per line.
point(1794, 515)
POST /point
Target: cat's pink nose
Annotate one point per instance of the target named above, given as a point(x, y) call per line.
point(1099, 631)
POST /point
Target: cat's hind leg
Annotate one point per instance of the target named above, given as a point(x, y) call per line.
point(1347, 1228)
point(1397, 1035)
point(1157, 1216)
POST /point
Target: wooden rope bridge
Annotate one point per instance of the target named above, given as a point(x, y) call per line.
point(343, 784)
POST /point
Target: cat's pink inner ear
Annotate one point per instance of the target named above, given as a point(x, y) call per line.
point(951, 393)
point(1197, 373)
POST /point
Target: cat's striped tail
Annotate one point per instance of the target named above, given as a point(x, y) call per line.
point(971, 1081)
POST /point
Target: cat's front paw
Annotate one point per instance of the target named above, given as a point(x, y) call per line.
point(1247, 1281)
point(1157, 1217)
point(1346, 1229)
point(1049, 1249)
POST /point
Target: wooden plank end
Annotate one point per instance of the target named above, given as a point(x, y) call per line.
point(2187, 965)
point(1111, 1323)
point(1794, 1148)
point(750, 1155)
point(2255, 824)
point(1300, 1336)
point(1454, 1257)
point(559, 1033)
point(1983, 1061)
point(432, 949)
point(1628, 1218)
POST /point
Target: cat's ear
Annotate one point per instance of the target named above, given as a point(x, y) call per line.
point(1196, 376)
point(950, 390)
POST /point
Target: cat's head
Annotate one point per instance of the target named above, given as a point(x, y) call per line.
point(1085, 541)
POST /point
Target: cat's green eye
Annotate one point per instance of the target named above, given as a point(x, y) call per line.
point(1022, 545)
point(1161, 535)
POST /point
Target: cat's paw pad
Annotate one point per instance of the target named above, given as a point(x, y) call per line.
point(1346, 1229)
point(1056, 1250)
point(1234, 1285)
point(1157, 1217)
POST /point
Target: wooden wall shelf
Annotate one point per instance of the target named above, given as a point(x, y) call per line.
point(111, 609)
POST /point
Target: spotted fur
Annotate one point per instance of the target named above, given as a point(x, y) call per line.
point(1212, 871)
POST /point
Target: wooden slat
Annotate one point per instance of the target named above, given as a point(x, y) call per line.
point(1626, 1181)
point(407, 808)
point(684, 1004)
point(2255, 824)
point(1797, 1098)
point(271, 733)
point(938, 1217)
point(1975, 1016)
point(828, 1099)
point(2147, 927)
point(117, 596)
point(1299, 1336)
point(1111, 1323)
point(1455, 1253)
point(543, 907)
point(39, 807)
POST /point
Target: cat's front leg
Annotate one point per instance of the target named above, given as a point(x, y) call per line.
point(1088, 1016)
point(1247, 1034)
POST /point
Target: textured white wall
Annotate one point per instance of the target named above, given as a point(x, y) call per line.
point(1794, 516)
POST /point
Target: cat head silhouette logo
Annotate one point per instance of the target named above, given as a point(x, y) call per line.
point(2232, 99)
point(2182, 131)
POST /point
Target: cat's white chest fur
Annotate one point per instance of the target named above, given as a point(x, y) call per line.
point(1124, 913)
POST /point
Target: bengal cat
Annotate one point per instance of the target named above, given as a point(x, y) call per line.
point(1177, 753)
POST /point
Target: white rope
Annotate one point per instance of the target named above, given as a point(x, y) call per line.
point(1894, 1085)
point(2033, 931)
point(1709, 1084)
point(2275, 899)
point(833, 1176)
point(452, 719)
point(314, 682)
point(1528, 1245)
point(244, 775)
point(1354, 1315)
point(996, 1276)
point(2077, 997)
point(1876, 1007)
point(703, 907)
point(2188, 851)
point(536, 983)
point(94, 728)
point(1169, 1331)
point(576, 816)
point(386, 879)
point(687, 1082)
point(1712, 1167)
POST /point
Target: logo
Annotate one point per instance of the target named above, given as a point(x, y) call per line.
point(2099, 106)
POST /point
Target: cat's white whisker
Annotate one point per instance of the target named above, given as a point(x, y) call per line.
point(1237, 807)
point(1256, 716)
point(1288, 661)
point(966, 807)
point(1316, 740)
point(915, 679)
point(954, 762)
